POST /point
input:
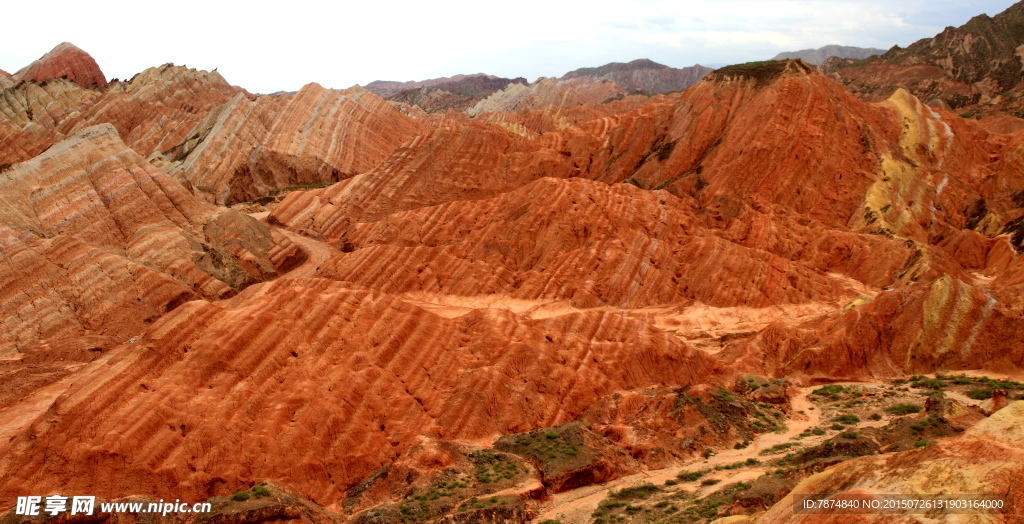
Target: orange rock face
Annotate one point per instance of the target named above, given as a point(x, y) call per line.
point(348, 376)
point(223, 143)
point(245, 148)
point(562, 253)
point(81, 224)
point(65, 61)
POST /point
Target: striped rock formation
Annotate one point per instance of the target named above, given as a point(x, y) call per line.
point(152, 112)
point(318, 385)
point(547, 92)
point(64, 61)
point(98, 241)
point(245, 148)
point(445, 94)
point(896, 181)
point(565, 254)
point(176, 116)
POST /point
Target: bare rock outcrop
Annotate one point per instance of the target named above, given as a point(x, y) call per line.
point(97, 240)
point(64, 61)
point(245, 148)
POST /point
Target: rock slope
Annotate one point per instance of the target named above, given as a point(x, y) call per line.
point(168, 113)
point(985, 460)
point(246, 148)
point(64, 61)
point(572, 256)
point(97, 240)
point(973, 69)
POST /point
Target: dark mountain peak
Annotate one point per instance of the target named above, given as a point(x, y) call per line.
point(613, 67)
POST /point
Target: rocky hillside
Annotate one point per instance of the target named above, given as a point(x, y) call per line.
point(67, 62)
point(324, 306)
point(973, 69)
point(221, 142)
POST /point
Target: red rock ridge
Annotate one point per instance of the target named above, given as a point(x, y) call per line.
point(245, 148)
point(320, 385)
point(65, 61)
point(97, 240)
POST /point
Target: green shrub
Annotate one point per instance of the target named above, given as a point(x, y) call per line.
point(838, 427)
point(904, 409)
point(636, 492)
point(690, 476)
point(849, 434)
point(722, 395)
point(847, 419)
point(709, 482)
point(831, 390)
point(980, 394)
point(778, 447)
point(920, 444)
point(818, 431)
point(241, 496)
point(260, 491)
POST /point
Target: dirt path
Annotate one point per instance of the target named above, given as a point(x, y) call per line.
point(317, 253)
point(576, 506)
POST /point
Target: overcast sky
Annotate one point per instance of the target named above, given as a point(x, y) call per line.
point(340, 43)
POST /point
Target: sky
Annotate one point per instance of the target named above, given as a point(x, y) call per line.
point(341, 43)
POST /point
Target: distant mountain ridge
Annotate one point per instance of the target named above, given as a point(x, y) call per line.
point(644, 75)
point(817, 56)
point(976, 66)
point(387, 88)
point(456, 93)
point(463, 92)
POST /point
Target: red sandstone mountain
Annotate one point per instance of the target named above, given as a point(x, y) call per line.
point(64, 61)
point(482, 312)
point(172, 115)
